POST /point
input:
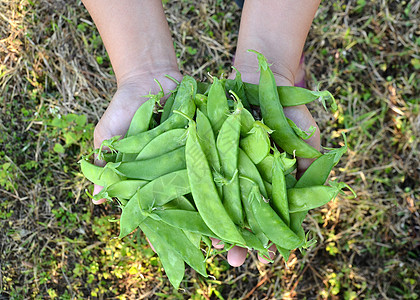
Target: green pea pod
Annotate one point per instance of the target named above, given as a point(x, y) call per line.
point(279, 197)
point(204, 190)
point(186, 220)
point(257, 143)
point(98, 175)
point(164, 143)
point(290, 95)
point(274, 118)
point(131, 216)
point(186, 91)
point(201, 103)
point(134, 144)
point(124, 189)
point(153, 168)
point(246, 187)
point(217, 105)
point(177, 239)
point(247, 122)
point(142, 117)
point(203, 88)
point(171, 260)
point(110, 156)
point(271, 224)
point(290, 181)
point(207, 141)
point(227, 146)
point(167, 108)
point(248, 169)
point(195, 238)
point(265, 167)
point(306, 198)
point(179, 203)
point(237, 86)
point(253, 242)
point(163, 189)
point(301, 133)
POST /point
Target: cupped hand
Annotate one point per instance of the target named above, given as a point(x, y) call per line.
point(128, 98)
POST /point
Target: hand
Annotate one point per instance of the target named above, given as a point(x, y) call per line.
point(128, 98)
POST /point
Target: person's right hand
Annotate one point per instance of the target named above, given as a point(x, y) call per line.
point(128, 98)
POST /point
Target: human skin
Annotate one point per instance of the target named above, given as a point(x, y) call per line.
point(138, 41)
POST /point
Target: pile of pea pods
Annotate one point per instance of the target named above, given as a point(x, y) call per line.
point(216, 161)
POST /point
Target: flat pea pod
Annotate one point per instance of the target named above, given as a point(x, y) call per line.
point(201, 102)
point(237, 86)
point(186, 91)
point(279, 194)
point(98, 175)
point(167, 107)
point(153, 168)
point(124, 189)
point(316, 174)
point(271, 224)
point(217, 105)
point(177, 239)
point(163, 189)
point(253, 242)
point(207, 140)
point(171, 260)
point(248, 169)
point(203, 87)
point(180, 202)
point(257, 143)
point(195, 238)
point(247, 122)
point(290, 181)
point(110, 156)
point(306, 198)
point(246, 187)
point(288, 95)
point(131, 216)
point(164, 143)
point(134, 144)
point(142, 117)
point(274, 118)
point(204, 191)
point(228, 146)
point(186, 220)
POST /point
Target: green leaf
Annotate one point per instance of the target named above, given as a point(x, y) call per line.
point(58, 148)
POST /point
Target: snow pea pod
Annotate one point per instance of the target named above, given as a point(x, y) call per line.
point(179, 203)
point(98, 175)
point(217, 105)
point(134, 144)
point(227, 146)
point(246, 187)
point(124, 189)
point(167, 108)
point(207, 140)
point(237, 86)
point(257, 143)
point(153, 168)
point(274, 118)
point(204, 191)
point(271, 224)
point(143, 116)
point(163, 189)
point(279, 197)
point(186, 220)
point(131, 216)
point(248, 169)
point(247, 122)
point(201, 102)
point(177, 239)
point(306, 198)
point(164, 143)
point(186, 91)
point(172, 261)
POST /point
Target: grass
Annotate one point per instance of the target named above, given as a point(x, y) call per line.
point(56, 81)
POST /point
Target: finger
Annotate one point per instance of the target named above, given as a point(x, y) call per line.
point(96, 190)
point(236, 256)
point(216, 243)
point(151, 246)
point(272, 254)
point(301, 116)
